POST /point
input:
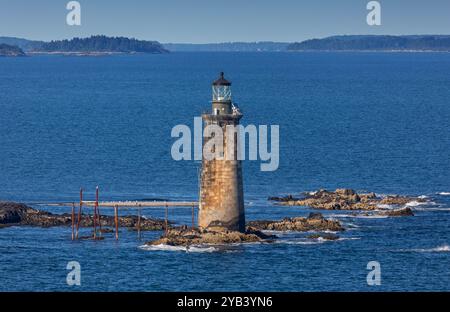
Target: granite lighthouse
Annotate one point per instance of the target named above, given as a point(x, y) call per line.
point(221, 202)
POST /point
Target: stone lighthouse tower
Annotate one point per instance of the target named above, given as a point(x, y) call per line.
point(221, 203)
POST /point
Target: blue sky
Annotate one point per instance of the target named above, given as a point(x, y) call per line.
point(201, 21)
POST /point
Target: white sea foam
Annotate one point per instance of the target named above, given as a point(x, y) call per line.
point(350, 226)
point(163, 247)
point(359, 216)
point(385, 206)
point(372, 217)
point(415, 203)
point(313, 241)
point(444, 193)
point(343, 215)
point(328, 231)
point(443, 248)
point(383, 195)
point(423, 196)
point(432, 209)
point(301, 242)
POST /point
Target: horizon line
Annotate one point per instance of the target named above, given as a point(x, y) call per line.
point(222, 42)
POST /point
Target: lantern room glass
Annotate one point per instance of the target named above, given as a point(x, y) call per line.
point(221, 93)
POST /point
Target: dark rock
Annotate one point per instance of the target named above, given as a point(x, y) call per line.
point(398, 212)
point(11, 213)
point(315, 222)
point(315, 216)
point(283, 199)
point(327, 236)
point(20, 214)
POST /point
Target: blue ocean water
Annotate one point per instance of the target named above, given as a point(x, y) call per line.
point(369, 121)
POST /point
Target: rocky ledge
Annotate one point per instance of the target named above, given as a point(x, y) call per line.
point(403, 212)
point(314, 222)
point(20, 214)
point(183, 236)
point(344, 199)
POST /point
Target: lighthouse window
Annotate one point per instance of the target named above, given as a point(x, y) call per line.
point(221, 93)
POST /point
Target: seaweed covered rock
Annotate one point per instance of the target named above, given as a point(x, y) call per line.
point(314, 222)
point(398, 212)
point(183, 236)
point(344, 199)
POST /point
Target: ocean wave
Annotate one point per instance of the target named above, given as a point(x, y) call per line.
point(382, 195)
point(348, 238)
point(313, 241)
point(280, 233)
point(385, 206)
point(372, 217)
point(444, 193)
point(300, 242)
point(163, 247)
point(327, 231)
point(443, 248)
point(341, 215)
point(350, 226)
point(431, 209)
point(359, 216)
point(415, 203)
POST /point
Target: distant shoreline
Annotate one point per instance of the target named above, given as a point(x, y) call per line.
point(113, 53)
point(371, 51)
point(101, 45)
point(82, 53)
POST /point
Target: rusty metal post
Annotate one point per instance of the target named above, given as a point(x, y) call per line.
point(166, 217)
point(98, 211)
point(139, 223)
point(73, 221)
point(116, 220)
point(79, 211)
point(193, 212)
point(95, 220)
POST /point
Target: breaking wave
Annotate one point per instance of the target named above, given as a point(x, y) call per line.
point(313, 241)
point(300, 242)
point(359, 216)
point(385, 206)
point(350, 226)
point(432, 209)
point(415, 203)
point(443, 248)
point(444, 193)
point(163, 247)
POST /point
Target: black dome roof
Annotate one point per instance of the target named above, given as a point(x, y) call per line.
point(221, 81)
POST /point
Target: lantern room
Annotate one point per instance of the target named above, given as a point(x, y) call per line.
point(221, 89)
